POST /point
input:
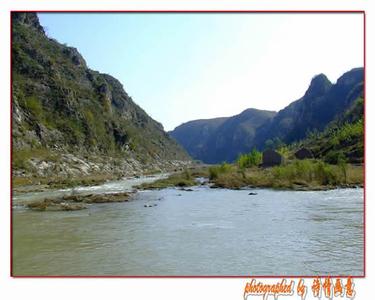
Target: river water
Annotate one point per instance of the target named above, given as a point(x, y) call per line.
point(200, 232)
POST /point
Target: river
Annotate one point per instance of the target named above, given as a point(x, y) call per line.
point(205, 232)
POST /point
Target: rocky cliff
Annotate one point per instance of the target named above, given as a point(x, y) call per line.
point(322, 103)
point(68, 119)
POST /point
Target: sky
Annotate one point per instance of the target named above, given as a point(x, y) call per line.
point(182, 67)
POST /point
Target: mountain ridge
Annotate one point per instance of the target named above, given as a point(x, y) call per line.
point(61, 108)
point(216, 139)
point(322, 103)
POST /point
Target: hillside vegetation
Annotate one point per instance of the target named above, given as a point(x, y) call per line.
point(71, 120)
point(343, 139)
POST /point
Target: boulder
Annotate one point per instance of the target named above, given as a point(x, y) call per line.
point(303, 153)
point(271, 158)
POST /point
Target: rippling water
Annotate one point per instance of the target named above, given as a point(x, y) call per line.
point(200, 232)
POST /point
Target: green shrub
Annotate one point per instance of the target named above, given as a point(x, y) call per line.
point(252, 159)
point(325, 174)
point(225, 168)
point(34, 106)
point(334, 157)
point(308, 171)
point(187, 174)
point(343, 167)
point(215, 171)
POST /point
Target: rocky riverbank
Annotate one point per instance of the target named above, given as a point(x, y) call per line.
point(70, 170)
point(288, 177)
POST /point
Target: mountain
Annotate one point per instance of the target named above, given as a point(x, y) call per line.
point(342, 139)
point(65, 115)
point(221, 139)
point(194, 134)
point(322, 103)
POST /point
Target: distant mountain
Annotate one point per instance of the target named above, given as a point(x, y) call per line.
point(221, 139)
point(322, 103)
point(60, 106)
point(194, 134)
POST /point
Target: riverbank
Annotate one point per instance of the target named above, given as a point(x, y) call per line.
point(82, 197)
point(84, 173)
point(308, 175)
point(75, 193)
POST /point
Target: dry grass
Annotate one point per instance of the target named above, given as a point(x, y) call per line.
point(65, 182)
point(299, 175)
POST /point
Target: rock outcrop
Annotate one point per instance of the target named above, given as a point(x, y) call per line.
point(223, 139)
point(71, 120)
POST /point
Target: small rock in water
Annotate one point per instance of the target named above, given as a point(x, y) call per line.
point(252, 194)
point(54, 205)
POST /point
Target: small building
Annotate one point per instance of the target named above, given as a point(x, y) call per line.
point(271, 158)
point(303, 153)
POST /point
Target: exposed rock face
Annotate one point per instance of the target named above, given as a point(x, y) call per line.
point(28, 19)
point(223, 139)
point(64, 112)
point(319, 85)
point(69, 165)
point(322, 103)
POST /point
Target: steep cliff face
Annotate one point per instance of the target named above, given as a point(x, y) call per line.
point(61, 107)
point(322, 103)
point(236, 135)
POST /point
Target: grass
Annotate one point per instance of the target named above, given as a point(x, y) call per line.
point(182, 179)
point(20, 158)
point(295, 175)
point(216, 170)
point(305, 174)
point(66, 182)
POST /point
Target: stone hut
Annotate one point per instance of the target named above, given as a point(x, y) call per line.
point(271, 158)
point(303, 153)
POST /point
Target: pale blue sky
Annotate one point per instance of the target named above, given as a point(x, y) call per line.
point(180, 67)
